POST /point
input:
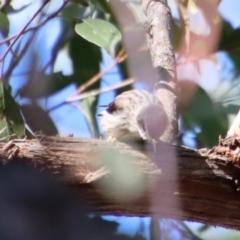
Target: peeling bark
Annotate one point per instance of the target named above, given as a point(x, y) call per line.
point(203, 190)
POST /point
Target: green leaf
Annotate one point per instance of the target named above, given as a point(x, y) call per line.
point(85, 9)
point(86, 58)
point(104, 6)
point(76, 11)
point(235, 57)
point(4, 24)
point(11, 121)
point(89, 106)
point(230, 42)
point(230, 39)
point(177, 34)
point(230, 109)
point(81, 2)
point(209, 118)
point(38, 120)
point(101, 33)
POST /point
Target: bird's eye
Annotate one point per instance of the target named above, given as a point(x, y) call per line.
point(111, 108)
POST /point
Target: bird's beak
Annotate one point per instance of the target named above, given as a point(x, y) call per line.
point(99, 115)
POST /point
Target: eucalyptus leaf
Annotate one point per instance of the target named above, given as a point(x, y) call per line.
point(89, 106)
point(211, 120)
point(86, 58)
point(101, 33)
point(4, 24)
point(76, 11)
point(11, 122)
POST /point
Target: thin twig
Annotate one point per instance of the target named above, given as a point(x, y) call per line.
point(120, 58)
point(36, 26)
point(99, 91)
point(79, 108)
point(22, 30)
point(92, 93)
point(15, 60)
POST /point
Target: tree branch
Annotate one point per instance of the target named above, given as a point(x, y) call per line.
point(201, 191)
point(158, 34)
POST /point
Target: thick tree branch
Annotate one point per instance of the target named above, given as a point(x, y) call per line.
point(202, 189)
point(158, 34)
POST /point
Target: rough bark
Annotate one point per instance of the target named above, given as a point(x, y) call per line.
point(203, 191)
point(158, 34)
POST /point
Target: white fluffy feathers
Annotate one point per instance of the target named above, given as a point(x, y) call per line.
point(134, 114)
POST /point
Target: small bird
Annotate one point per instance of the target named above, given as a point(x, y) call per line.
point(134, 114)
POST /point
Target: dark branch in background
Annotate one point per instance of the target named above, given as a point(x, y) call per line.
point(80, 94)
point(53, 15)
point(16, 59)
point(24, 30)
point(92, 93)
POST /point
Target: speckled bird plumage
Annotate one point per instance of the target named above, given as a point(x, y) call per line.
point(134, 114)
